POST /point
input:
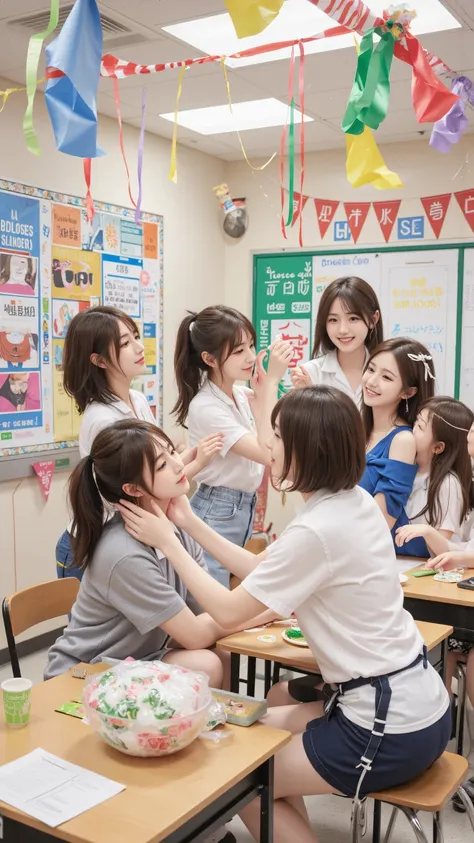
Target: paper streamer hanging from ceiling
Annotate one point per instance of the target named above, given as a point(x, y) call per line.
point(73, 71)
point(32, 61)
point(252, 16)
point(450, 129)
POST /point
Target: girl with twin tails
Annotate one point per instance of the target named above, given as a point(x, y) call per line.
point(443, 491)
point(215, 350)
point(348, 329)
point(398, 379)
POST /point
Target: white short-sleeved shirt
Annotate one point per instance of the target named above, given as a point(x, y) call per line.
point(97, 416)
point(326, 371)
point(334, 567)
point(465, 540)
point(212, 411)
point(450, 502)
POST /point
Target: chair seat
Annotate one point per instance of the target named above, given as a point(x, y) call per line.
point(431, 790)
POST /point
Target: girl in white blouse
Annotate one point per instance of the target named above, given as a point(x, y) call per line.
point(443, 491)
point(348, 328)
point(332, 565)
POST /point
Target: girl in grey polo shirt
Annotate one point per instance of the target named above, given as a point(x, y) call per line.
point(131, 601)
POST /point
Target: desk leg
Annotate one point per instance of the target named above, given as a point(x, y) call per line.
point(266, 801)
point(444, 659)
point(377, 818)
point(268, 677)
point(251, 674)
point(235, 672)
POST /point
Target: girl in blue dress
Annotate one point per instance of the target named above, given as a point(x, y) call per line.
point(398, 378)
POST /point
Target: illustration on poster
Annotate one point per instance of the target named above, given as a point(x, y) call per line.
point(19, 392)
point(18, 350)
point(66, 274)
point(18, 274)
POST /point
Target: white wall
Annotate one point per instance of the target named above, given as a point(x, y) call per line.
point(423, 171)
point(194, 278)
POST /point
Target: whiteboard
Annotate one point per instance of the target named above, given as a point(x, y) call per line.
point(326, 268)
point(466, 387)
point(418, 299)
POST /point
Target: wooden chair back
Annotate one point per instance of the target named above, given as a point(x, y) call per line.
point(32, 606)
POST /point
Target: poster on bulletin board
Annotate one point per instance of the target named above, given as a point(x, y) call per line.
point(417, 290)
point(53, 265)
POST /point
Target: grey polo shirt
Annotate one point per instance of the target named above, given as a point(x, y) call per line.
point(127, 591)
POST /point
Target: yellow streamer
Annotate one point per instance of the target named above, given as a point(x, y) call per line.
point(252, 16)
point(5, 94)
point(229, 97)
point(365, 163)
point(173, 163)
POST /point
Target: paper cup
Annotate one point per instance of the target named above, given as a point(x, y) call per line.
point(16, 701)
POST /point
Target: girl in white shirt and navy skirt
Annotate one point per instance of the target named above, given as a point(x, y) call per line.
point(214, 349)
point(334, 567)
point(348, 328)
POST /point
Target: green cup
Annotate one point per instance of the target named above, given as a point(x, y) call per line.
point(16, 701)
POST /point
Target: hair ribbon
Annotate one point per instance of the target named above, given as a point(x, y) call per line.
point(423, 358)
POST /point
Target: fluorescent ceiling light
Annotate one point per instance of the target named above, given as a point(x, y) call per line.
point(216, 120)
point(215, 35)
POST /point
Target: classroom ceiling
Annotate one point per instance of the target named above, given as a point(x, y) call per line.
point(328, 75)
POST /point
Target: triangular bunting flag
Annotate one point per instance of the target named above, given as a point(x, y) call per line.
point(436, 208)
point(325, 210)
point(44, 471)
point(465, 200)
point(386, 213)
point(356, 213)
point(299, 203)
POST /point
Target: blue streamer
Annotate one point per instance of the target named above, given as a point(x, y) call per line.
point(72, 98)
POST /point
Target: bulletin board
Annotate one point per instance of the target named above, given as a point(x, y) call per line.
point(54, 264)
point(426, 293)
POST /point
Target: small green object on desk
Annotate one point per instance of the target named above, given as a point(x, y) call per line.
point(294, 632)
point(424, 573)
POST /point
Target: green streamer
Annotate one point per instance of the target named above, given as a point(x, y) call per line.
point(291, 163)
point(370, 94)
point(32, 61)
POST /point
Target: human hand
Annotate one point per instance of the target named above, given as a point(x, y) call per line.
point(300, 377)
point(207, 449)
point(411, 531)
point(280, 357)
point(180, 512)
point(151, 528)
point(447, 561)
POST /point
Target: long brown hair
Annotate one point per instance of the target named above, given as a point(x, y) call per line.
point(357, 297)
point(215, 330)
point(413, 374)
point(94, 331)
point(450, 423)
point(120, 454)
point(323, 439)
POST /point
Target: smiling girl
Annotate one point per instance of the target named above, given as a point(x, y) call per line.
point(131, 602)
point(398, 378)
point(215, 349)
point(331, 578)
point(348, 328)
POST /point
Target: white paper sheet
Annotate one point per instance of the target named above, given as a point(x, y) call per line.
point(52, 790)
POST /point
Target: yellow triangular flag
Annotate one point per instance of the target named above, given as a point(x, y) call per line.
point(252, 16)
point(365, 164)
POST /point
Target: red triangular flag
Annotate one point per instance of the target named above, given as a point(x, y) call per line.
point(299, 202)
point(45, 471)
point(386, 213)
point(436, 208)
point(356, 213)
point(325, 210)
point(465, 200)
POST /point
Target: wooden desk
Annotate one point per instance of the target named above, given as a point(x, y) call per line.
point(177, 799)
point(438, 602)
point(301, 658)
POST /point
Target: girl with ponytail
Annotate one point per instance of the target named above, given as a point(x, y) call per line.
point(215, 349)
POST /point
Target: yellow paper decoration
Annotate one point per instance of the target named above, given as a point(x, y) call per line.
point(365, 163)
point(173, 163)
point(252, 16)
